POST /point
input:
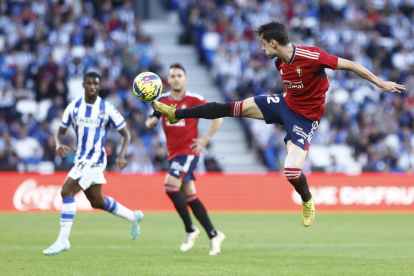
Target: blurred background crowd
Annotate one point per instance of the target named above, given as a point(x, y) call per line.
point(47, 46)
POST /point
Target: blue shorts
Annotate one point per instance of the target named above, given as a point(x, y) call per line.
point(299, 129)
point(183, 166)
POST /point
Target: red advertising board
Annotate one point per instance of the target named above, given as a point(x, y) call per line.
point(269, 192)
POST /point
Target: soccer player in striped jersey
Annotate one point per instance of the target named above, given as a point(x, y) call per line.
point(299, 107)
point(184, 147)
point(91, 117)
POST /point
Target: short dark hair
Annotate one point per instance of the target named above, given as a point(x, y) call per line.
point(92, 75)
point(177, 66)
point(274, 30)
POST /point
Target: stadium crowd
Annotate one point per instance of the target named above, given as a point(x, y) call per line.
point(46, 48)
point(378, 128)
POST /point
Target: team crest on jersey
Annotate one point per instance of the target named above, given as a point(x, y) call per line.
point(299, 71)
point(183, 106)
point(101, 114)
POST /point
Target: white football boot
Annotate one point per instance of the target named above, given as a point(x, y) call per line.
point(135, 227)
point(189, 240)
point(215, 243)
point(57, 247)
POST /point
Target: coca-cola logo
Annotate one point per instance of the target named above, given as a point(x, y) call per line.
point(366, 195)
point(30, 196)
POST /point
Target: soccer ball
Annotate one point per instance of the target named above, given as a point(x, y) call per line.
point(147, 86)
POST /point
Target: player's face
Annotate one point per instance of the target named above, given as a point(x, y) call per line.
point(177, 79)
point(269, 48)
point(92, 86)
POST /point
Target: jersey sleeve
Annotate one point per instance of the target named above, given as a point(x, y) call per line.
point(67, 116)
point(326, 61)
point(115, 118)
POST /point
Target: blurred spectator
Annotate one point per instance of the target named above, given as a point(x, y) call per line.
point(28, 148)
point(47, 47)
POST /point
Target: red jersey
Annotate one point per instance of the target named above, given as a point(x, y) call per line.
point(306, 81)
point(180, 135)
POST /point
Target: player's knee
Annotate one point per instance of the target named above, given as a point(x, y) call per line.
point(187, 190)
point(169, 189)
point(97, 204)
point(293, 174)
point(66, 192)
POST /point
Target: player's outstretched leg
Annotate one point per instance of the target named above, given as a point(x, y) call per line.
point(69, 190)
point(181, 206)
point(94, 195)
point(207, 111)
point(200, 212)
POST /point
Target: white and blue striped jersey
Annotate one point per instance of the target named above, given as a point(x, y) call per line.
point(91, 124)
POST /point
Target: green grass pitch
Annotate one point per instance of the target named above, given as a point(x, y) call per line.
point(256, 244)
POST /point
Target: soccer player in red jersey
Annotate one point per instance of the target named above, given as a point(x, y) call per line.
point(184, 147)
point(299, 107)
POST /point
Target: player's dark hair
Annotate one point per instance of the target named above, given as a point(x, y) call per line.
point(177, 66)
point(92, 75)
point(274, 30)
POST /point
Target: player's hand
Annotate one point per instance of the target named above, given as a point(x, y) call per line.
point(61, 150)
point(199, 144)
point(391, 87)
point(121, 162)
point(151, 123)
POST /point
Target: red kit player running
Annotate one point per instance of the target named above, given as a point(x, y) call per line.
point(184, 149)
point(299, 107)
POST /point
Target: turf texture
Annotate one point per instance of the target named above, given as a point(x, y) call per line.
point(256, 244)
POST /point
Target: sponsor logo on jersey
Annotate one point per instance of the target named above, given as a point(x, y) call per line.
point(88, 122)
point(293, 84)
point(299, 71)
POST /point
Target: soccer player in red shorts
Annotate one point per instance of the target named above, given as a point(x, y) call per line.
point(184, 147)
point(299, 107)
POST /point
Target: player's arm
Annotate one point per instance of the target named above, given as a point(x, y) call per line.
point(126, 138)
point(152, 121)
point(386, 86)
point(200, 143)
point(61, 149)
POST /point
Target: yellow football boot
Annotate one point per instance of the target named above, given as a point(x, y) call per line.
point(168, 111)
point(308, 212)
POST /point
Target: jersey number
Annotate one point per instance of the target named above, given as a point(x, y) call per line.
point(273, 99)
point(81, 165)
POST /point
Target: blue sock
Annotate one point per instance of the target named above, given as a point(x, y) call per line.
point(118, 209)
point(110, 205)
point(66, 217)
